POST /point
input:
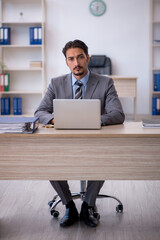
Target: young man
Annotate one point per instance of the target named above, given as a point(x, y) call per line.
point(80, 83)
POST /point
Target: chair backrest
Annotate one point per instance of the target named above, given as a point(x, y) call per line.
point(100, 64)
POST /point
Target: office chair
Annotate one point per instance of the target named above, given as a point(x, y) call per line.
point(100, 64)
point(53, 203)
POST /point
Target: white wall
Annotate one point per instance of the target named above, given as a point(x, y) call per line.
point(122, 34)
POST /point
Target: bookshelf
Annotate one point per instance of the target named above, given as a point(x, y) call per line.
point(155, 57)
point(25, 82)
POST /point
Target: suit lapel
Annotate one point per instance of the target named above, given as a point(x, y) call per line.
point(68, 87)
point(91, 85)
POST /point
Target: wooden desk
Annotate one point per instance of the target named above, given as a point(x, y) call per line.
point(115, 152)
point(126, 87)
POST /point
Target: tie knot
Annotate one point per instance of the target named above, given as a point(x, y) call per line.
point(79, 83)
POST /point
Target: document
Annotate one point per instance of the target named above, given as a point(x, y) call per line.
point(151, 123)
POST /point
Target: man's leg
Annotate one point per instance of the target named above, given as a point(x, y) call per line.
point(88, 214)
point(93, 188)
point(63, 191)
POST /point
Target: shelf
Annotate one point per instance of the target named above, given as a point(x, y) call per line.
point(21, 92)
point(156, 92)
point(24, 81)
point(155, 69)
point(23, 69)
point(156, 22)
point(22, 23)
point(156, 45)
point(21, 46)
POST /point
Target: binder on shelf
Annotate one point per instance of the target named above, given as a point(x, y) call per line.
point(5, 106)
point(35, 35)
point(6, 82)
point(31, 35)
point(1, 35)
point(155, 105)
point(156, 82)
point(1, 82)
point(5, 35)
point(40, 35)
point(18, 124)
point(2, 106)
point(158, 106)
point(17, 106)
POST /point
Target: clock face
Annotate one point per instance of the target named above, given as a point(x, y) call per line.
point(97, 7)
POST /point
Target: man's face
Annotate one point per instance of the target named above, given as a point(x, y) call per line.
point(77, 61)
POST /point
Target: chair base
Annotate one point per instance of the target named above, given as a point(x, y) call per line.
point(80, 195)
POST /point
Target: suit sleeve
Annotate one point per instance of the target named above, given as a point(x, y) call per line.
point(45, 110)
point(113, 112)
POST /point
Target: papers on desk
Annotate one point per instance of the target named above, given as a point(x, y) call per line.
point(151, 123)
point(18, 124)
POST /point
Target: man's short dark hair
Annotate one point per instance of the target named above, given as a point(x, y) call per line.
point(75, 44)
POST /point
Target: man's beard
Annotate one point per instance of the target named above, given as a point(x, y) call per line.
point(79, 73)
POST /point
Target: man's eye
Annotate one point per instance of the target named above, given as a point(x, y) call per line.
point(81, 57)
point(70, 59)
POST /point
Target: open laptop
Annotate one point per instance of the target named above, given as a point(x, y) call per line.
point(77, 114)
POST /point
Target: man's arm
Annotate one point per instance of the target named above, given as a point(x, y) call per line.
point(113, 112)
point(45, 110)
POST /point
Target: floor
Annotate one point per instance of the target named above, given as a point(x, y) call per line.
point(24, 213)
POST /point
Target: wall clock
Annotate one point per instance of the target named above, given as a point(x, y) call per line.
point(97, 7)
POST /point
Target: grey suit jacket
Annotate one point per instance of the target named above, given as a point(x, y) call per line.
point(98, 87)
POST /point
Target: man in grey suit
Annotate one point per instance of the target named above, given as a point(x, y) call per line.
point(83, 83)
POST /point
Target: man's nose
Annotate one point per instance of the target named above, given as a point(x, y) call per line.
point(76, 62)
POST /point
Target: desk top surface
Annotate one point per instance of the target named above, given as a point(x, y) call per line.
point(128, 129)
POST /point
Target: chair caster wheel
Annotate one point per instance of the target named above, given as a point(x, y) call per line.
point(119, 208)
point(50, 203)
point(54, 213)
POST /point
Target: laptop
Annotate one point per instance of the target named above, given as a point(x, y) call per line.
point(77, 113)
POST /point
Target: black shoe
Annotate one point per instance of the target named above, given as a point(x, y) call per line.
point(89, 216)
point(70, 217)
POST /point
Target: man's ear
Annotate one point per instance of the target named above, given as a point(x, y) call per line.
point(88, 58)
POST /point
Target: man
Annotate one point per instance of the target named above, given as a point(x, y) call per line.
point(81, 83)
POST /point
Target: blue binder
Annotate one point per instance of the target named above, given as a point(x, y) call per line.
point(154, 106)
point(17, 106)
point(19, 124)
point(5, 33)
point(35, 35)
point(5, 106)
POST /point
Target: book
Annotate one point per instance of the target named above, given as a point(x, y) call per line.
point(18, 124)
point(36, 64)
point(151, 123)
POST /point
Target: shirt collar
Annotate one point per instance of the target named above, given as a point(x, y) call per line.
point(84, 80)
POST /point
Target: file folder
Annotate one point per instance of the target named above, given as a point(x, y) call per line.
point(1, 82)
point(18, 124)
point(5, 106)
point(6, 82)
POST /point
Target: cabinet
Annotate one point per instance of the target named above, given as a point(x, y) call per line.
point(155, 56)
point(26, 81)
